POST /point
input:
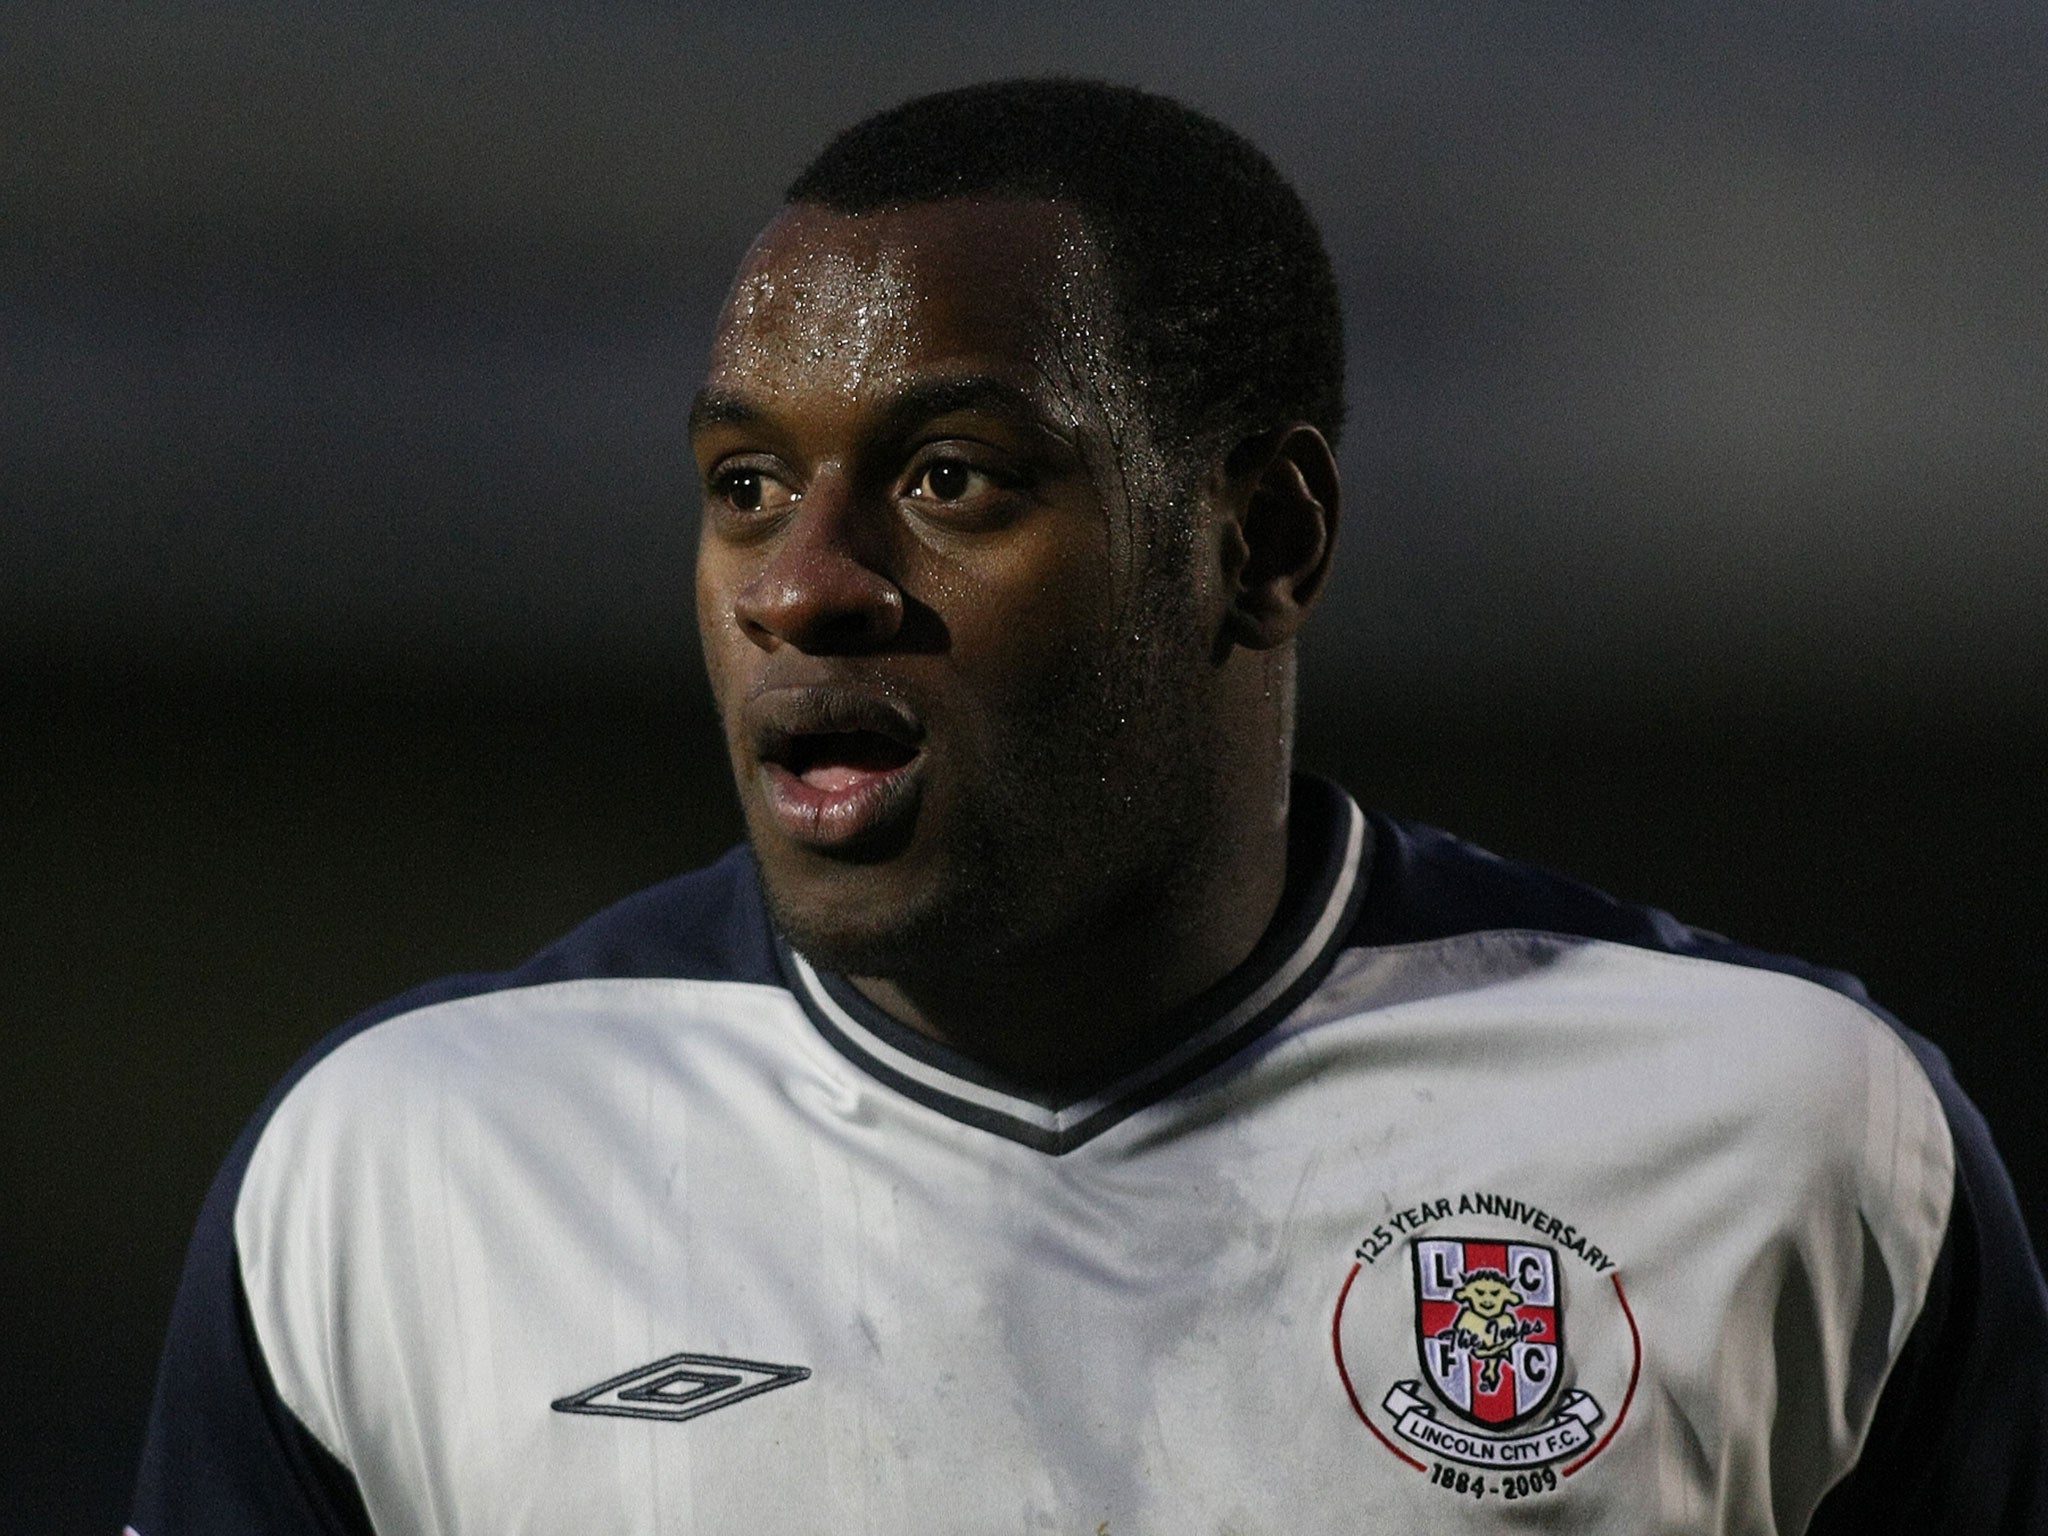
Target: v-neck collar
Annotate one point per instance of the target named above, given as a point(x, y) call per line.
point(1326, 856)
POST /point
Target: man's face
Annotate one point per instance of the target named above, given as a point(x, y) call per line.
point(959, 666)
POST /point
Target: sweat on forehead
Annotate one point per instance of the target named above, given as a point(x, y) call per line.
point(1023, 275)
point(869, 304)
point(851, 328)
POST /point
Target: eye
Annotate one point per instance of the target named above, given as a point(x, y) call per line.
point(742, 488)
point(745, 488)
point(950, 480)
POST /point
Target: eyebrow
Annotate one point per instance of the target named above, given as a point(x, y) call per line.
point(918, 402)
point(714, 407)
point(964, 392)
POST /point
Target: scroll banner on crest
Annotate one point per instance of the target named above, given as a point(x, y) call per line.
point(1569, 1429)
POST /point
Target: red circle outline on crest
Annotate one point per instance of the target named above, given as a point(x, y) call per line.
point(1635, 1370)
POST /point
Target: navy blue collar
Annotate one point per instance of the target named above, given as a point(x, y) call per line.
point(1327, 850)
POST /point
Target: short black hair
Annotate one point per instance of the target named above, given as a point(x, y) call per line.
point(1219, 278)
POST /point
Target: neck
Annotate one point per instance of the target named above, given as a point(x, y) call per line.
point(1106, 993)
point(1101, 1002)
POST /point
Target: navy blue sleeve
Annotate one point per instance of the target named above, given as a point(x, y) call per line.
point(1960, 1438)
point(224, 1456)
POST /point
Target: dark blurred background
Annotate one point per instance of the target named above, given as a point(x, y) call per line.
point(1696, 539)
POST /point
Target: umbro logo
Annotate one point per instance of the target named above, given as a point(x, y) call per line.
point(681, 1387)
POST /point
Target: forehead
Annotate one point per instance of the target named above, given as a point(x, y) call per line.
point(854, 302)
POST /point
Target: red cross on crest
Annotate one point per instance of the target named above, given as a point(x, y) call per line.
point(1488, 1327)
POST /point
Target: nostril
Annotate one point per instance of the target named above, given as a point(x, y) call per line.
point(820, 602)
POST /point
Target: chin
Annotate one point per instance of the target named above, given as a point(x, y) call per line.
point(895, 918)
point(872, 934)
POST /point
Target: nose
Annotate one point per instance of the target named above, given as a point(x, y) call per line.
point(825, 587)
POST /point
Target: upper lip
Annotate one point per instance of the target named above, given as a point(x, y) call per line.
point(779, 719)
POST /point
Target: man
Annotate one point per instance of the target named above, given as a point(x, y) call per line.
point(1059, 1118)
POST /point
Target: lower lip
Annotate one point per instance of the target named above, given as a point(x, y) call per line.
point(861, 803)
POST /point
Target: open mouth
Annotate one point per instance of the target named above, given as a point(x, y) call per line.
point(840, 768)
point(835, 762)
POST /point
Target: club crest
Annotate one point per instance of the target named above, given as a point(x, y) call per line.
point(1450, 1342)
point(1488, 1329)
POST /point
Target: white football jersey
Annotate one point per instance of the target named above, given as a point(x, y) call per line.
point(1473, 1201)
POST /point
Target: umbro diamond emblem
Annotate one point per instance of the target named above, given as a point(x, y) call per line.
point(681, 1387)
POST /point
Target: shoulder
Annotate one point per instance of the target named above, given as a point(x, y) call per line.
point(705, 927)
point(682, 945)
point(674, 968)
point(1434, 895)
point(1461, 918)
point(1428, 884)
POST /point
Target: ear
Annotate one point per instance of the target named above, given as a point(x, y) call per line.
point(1280, 500)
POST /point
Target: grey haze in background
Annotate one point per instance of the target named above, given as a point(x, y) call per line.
point(1693, 351)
